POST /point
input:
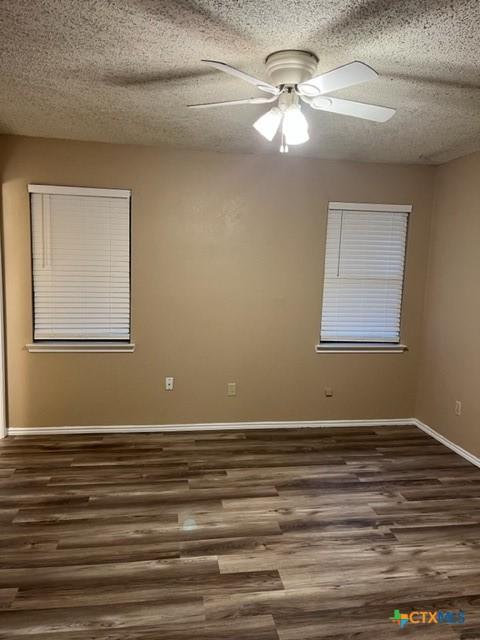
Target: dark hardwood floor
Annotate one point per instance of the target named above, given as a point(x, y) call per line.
point(242, 535)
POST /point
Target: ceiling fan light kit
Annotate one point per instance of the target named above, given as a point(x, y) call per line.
point(288, 114)
point(295, 126)
point(267, 125)
point(292, 82)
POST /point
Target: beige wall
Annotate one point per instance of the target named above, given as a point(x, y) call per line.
point(227, 273)
point(450, 365)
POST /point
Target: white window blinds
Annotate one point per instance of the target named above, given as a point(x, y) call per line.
point(364, 265)
point(81, 263)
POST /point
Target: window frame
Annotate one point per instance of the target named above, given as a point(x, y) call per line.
point(89, 345)
point(339, 346)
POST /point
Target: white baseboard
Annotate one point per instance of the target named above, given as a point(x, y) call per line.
point(208, 426)
point(448, 443)
point(230, 426)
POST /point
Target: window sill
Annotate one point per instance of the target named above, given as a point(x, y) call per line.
point(364, 347)
point(81, 347)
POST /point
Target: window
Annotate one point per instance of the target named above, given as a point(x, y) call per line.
point(363, 280)
point(80, 264)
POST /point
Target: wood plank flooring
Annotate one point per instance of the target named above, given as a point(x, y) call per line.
point(242, 535)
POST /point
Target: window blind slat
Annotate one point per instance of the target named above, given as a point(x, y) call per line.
point(363, 280)
point(81, 266)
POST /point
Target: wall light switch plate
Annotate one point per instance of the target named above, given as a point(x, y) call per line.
point(169, 383)
point(458, 408)
point(232, 389)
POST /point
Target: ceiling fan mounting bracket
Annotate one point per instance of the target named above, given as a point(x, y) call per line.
point(290, 66)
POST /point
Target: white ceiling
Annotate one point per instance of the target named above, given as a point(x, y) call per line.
point(123, 71)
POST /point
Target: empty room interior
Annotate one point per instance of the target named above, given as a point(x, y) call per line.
point(239, 341)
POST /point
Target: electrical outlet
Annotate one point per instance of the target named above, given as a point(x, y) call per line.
point(232, 389)
point(328, 392)
point(169, 383)
point(458, 408)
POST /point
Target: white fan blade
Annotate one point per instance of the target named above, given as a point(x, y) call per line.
point(372, 112)
point(226, 68)
point(340, 78)
point(228, 103)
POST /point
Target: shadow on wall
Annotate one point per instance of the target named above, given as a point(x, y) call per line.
point(3, 370)
point(13, 284)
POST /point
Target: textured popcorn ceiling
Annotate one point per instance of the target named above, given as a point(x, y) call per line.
point(123, 70)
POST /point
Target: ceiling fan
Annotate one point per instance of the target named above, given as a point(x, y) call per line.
point(292, 83)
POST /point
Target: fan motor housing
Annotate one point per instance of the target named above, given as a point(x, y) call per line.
point(291, 66)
